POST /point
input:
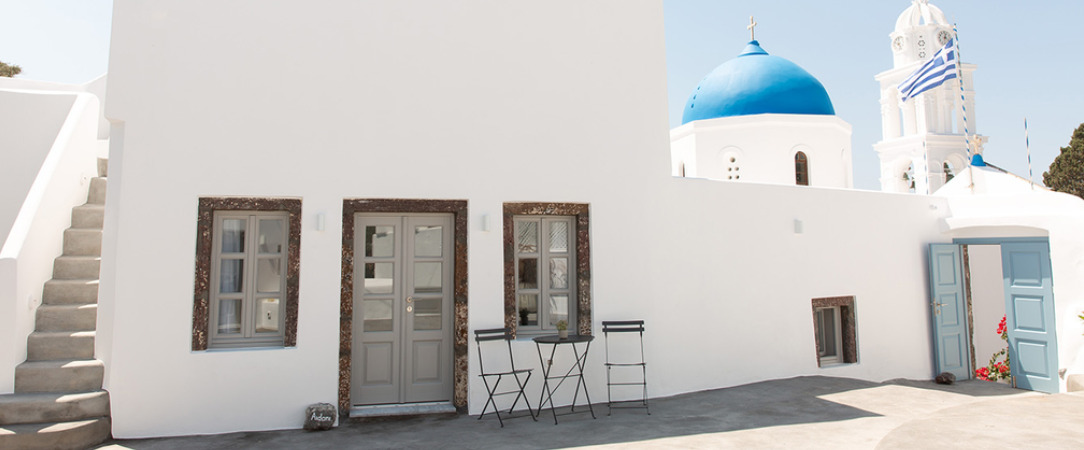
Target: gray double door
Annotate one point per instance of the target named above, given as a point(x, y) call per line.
point(402, 335)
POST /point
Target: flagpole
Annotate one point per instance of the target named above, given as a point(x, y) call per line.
point(1027, 146)
point(963, 105)
point(926, 165)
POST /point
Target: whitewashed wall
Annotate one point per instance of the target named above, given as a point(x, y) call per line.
point(477, 100)
point(764, 146)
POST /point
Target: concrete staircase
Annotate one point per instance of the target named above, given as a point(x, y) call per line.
point(58, 401)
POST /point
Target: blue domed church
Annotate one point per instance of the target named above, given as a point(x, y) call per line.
point(762, 118)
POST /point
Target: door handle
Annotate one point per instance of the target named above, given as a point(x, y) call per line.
point(410, 304)
point(937, 307)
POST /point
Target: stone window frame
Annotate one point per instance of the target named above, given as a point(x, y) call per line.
point(458, 209)
point(581, 212)
point(847, 324)
point(205, 252)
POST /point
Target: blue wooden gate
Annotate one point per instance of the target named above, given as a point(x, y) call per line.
point(949, 311)
point(1029, 312)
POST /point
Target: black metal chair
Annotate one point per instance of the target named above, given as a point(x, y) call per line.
point(625, 362)
point(493, 380)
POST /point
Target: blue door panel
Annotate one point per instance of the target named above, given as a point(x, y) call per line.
point(948, 311)
point(1029, 296)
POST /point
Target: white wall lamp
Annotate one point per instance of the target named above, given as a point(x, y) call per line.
point(797, 226)
point(321, 221)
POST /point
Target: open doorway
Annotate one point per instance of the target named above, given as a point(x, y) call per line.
point(985, 301)
point(960, 319)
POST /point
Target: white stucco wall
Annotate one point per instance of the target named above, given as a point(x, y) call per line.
point(764, 146)
point(470, 100)
point(31, 122)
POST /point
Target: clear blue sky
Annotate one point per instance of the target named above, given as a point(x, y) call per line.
point(1030, 58)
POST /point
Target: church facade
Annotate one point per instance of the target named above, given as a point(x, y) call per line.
point(277, 238)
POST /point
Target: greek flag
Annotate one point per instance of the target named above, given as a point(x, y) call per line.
point(936, 71)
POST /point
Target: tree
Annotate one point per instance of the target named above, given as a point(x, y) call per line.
point(1066, 173)
point(9, 70)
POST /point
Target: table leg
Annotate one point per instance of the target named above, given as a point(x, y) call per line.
point(546, 391)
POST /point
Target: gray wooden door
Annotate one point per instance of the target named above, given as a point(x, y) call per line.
point(402, 348)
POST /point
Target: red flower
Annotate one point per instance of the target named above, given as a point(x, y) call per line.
point(982, 373)
point(1003, 368)
point(1001, 327)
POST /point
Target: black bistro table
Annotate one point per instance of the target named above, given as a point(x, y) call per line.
point(574, 372)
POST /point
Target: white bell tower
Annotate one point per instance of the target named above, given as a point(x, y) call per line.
point(924, 142)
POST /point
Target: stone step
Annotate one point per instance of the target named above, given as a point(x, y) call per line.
point(52, 407)
point(77, 317)
point(82, 242)
point(103, 167)
point(80, 434)
point(50, 345)
point(77, 267)
point(69, 292)
point(81, 375)
point(88, 216)
point(96, 193)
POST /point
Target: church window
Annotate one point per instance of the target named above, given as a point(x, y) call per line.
point(544, 244)
point(246, 273)
point(834, 330)
point(801, 169)
point(733, 168)
point(949, 171)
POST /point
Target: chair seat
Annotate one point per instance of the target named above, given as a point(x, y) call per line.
point(510, 372)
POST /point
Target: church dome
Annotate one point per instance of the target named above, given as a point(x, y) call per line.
point(757, 83)
point(921, 12)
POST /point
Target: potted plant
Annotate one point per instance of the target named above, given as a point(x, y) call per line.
point(562, 329)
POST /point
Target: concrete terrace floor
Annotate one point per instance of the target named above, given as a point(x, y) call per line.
point(804, 412)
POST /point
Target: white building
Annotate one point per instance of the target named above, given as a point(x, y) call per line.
point(275, 239)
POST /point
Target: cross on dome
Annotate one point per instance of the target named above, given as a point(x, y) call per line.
point(752, 24)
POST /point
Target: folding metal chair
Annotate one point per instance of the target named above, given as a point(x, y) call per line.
point(493, 380)
point(625, 362)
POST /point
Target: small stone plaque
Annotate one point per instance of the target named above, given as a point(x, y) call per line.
point(320, 417)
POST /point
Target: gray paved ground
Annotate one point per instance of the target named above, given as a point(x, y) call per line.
point(804, 412)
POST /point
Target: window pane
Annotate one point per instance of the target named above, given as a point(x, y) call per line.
point(229, 316)
point(230, 275)
point(267, 315)
point(528, 274)
point(559, 273)
point(272, 238)
point(378, 315)
point(269, 275)
point(526, 237)
point(427, 314)
point(233, 235)
point(380, 241)
point(826, 322)
point(427, 276)
point(428, 241)
point(559, 237)
point(528, 309)
point(558, 308)
point(379, 278)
